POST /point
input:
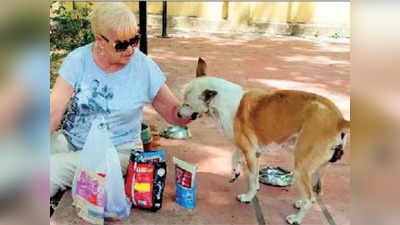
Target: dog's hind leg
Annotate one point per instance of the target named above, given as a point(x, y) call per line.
point(310, 158)
point(316, 188)
point(258, 172)
point(303, 179)
point(235, 165)
point(306, 162)
point(316, 182)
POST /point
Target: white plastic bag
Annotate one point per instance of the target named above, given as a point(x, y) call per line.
point(117, 204)
point(98, 187)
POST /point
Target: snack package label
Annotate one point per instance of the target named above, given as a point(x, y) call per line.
point(183, 177)
point(90, 196)
point(143, 188)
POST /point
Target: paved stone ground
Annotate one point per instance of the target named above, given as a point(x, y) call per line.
point(320, 66)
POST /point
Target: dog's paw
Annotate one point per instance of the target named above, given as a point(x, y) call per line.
point(235, 175)
point(299, 204)
point(292, 219)
point(257, 185)
point(244, 198)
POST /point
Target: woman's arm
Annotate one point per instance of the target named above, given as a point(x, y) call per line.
point(14, 93)
point(59, 98)
point(166, 104)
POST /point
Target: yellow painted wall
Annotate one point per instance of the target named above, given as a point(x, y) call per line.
point(209, 10)
point(333, 13)
point(301, 12)
point(239, 12)
point(269, 12)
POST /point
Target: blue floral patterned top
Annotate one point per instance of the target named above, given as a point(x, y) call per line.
point(118, 96)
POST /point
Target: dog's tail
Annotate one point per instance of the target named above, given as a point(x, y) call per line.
point(344, 129)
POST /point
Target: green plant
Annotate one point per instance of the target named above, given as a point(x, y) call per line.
point(70, 29)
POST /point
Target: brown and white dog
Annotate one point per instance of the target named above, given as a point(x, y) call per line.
point(266, 120)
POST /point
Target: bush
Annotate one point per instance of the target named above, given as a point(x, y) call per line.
point(70, 29)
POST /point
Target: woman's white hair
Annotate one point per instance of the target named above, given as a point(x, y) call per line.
point(113, 18)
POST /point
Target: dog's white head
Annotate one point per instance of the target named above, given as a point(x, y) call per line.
point(198, 94)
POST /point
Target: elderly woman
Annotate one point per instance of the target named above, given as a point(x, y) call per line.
point(109, 77)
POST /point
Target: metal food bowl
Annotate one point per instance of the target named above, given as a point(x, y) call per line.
point(176, 132)
point(275, 176)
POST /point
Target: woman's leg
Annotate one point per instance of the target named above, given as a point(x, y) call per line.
point(62, 171)
point(62, 163)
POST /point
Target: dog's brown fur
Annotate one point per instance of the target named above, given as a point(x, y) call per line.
point(264, 118)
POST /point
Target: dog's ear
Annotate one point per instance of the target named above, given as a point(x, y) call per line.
point(201, 68)
point(208, 95)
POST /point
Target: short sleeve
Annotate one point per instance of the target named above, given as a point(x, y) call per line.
point(71, 67)
point(157, 79)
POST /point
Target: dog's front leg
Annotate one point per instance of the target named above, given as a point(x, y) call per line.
point(251, 174)
point(235, 165)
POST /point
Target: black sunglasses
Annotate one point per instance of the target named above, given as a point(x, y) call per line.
point(121, 46)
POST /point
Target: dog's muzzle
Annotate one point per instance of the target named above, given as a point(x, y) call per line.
point(194, 115)
point(179, 114)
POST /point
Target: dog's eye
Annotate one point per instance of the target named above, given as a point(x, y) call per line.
point(186, 105)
